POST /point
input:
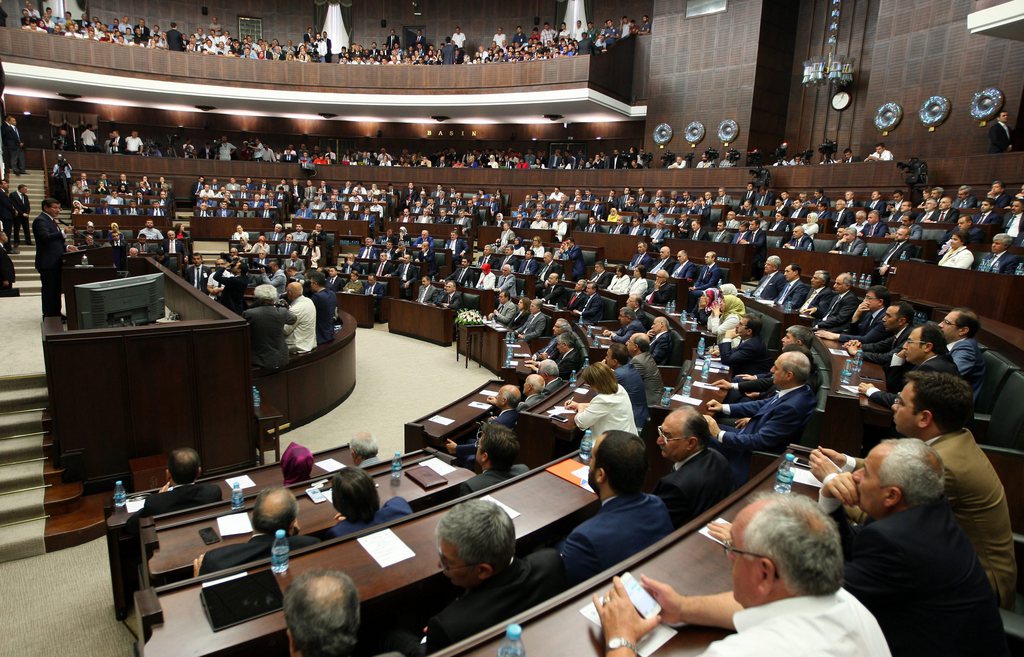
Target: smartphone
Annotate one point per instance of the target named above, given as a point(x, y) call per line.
point(559, 418)
point(316, 495)
point(641, 599)
point(803, 463)
point(209, 535)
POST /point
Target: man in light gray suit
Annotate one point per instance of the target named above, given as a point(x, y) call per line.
point(505, 310)
point(507, 280)
point(639, 346)
point(537, 323)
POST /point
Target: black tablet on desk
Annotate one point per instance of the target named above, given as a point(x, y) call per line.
point(241, 599)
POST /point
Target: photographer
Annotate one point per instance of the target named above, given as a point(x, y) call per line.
point(267, 320)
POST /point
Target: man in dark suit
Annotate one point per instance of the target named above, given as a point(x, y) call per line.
point(774, 422)
point(924, 350)
point(180, 491)
point(450, 298)
point(866, 325)
point(641, 257)
point(7, 273)
point(751, 356)
point(49, 236)
point(662, 261)
point(406, 273)
point(683, 268)
point(838, 313)
point(897, 320)
point(988, 214)
point(506, 403)
point(175, 40)
point(771, 284)
point(578, 297)
point(959, 327)
point(1000, 134)
point(592, 310)
point(575, 254)
point(601, 277)
point(628, 325)
point(7, 212)
point(628, 521)
point(570, 358)
point(710, 276)
point(700, 476)
point(800, 240)
point(913, 567)
point(849, 243)
point(21, 206)
point(901, 249)
point(13, 146)
point(819, 296)
point(661, 341)
point(276, 508)
point(794, 291)
point(197, 274)
point(999, 261)
point(662, 291)
point(496, 454)
point(463, 275)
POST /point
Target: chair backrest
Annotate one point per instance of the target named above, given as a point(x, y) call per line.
point(520, 286)
point(678, 345)
point(997, 370)
point(471, 301)
point(252, 235)
point(823, 246)
point(128, 234)
point(877, 249)
point(589, 258)
point(933, 234)
point(776, 241)
point(1006, 428)
point(610, 308)
point(771, 329)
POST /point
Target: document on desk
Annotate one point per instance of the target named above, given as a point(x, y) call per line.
point(804, 476)
point(687, 400)
point(442, 420)
point(583, 474)
point(839, 352)
point(386, 548)
point(582, 391)
point(646, 646)
point(853, 390)
point(215, 582)
point(481, 405)
point(704, 530)
point(234, 524)
point(521, 355)
point(713, 367)
point(558, 410)
point(438, 466)
point(706, 386)
point(512, 513)
point(330, 465)
point(131, 506)
point(489, 393)
point(243, 482)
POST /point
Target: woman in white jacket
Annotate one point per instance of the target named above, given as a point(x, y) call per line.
point(487, 278)
point(620, 282)
point(610, 408)
point(958, 256)
point(638, 285)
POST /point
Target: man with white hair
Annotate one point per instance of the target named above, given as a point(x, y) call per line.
point(364, 450)
point(300, 336)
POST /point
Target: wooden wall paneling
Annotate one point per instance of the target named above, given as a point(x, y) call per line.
point(772, 76)
point(161, 401)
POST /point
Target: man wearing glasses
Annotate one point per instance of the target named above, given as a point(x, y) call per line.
point(959, 327)
point(700, 477)
point(787, 573)
point(924, 351)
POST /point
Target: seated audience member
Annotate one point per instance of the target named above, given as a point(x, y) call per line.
point(427, 292)
point(533, 392)
point(610, 409)
point(959, 327)
point(746, 386)
point(999, 261)
point(628, 520)
point(700, 476)
point(276, 508)
point(296, 464)
point(788, 596)
point(774, 422)
point(355, 498)
point(897, 320)
point(449, 297)
point(496, 453)
point(364, 450)
point(750, 356)
point(819, 297)
point(924, 351)
point(180, 491)
point(661, 341)
point(477, 545)
point(266, 329)
point(840, 310)
point(617, 357)
point(300, 336)
point(867, 324)
point(536, 323)
point(321, 612)
point(504, 310)
point(628, 325)
point(771, 284)
point(505, 402)
point(912, 566)
point(935, 407)
point(639, 347)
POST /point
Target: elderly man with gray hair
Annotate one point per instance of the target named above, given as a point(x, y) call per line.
point(999, 261)
point(364, 450)
point(476, 545)
point(266, 329)
point(321, 612)
point(552, 378)
point(533, 392)
point(788, 596)
point(913, 567)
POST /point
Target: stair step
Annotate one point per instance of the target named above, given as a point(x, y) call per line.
point(63, 498)
point(23, 399)
point(26, 474)
point(21, 422)
point(18, 450)
point(52, 474)
point(23, 381)
point(22, 505)
point(84, 524)
point(23, 539)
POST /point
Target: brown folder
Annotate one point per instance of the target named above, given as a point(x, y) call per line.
point(425, 477)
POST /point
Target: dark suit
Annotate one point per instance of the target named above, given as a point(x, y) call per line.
point(805, 243)
point(837, 315)
point(49, 249)
point(528, 267)
point(180, 497)
point(257, 548)
point(701, 482)
point(553, 295)
point(1006, 264)
point(867, 330)
point(896, 253)
point(175, 40)
point(454, 300)
point(390, 510)
point(490, 478)
point(21, 206)
point(661, 348)
point(969, 363)
point(794, 293)
point(569, 362)
point(894, 377)
point(774, 423)
point(687, 269)
point(629, 378)
point(624, 525)
point(661, 296)
point(770, 286)
point(750, 357)
point(197, 281)
point(592, 309)
point(917, 573)
point(1000, 138)
point(710, 276)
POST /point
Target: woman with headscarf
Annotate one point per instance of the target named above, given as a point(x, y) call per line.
point(726, 314)
point(487, 278)
point(709, 298)
point(296, 464)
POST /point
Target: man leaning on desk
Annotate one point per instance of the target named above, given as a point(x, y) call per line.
point(180, 491)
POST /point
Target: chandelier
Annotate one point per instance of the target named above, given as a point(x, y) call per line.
point(830, 69)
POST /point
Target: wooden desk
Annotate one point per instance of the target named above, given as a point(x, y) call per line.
point(422, 432)
point(870, 372)
point(360, 306)
point(990, 295)
point(617, 248)
point(421, 321)
point(174, 622)
point(175, 543)
point(486, 344)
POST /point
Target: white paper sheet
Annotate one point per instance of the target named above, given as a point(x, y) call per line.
point(438, 466)
point(653, 640)
point(386, 548)
point(582, 391)
point(131, 506)
point(489, 393)
point(558, 410)
point(244, 482)
point(236, 523)
point(481, 405)
point(329, 465)
point(704, 531)
point(512, 513)
point(707, 386)
point(686, 400)
point(522, 355)
point(583, 474)
point(839, 352)
point(440, 419)
point(853, 390)
point(802, 476)
point(513, 363)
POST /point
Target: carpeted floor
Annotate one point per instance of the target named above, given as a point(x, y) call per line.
point(61, 602)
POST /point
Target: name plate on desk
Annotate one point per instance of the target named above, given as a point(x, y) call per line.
point(426, 478)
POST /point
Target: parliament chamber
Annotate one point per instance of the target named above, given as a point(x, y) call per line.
point(614, 269)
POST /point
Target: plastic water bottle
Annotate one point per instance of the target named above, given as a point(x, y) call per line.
point(687, 386)
point(396, 468)
point(903, 256)
point(666, 396)
point(85, 261)
point(1019, 271)
point(597, 343)
point(120, 497)
point(788, 307)
point(572, 378)
point(586, 362)
point(508, 355)
point(512, 644)
point(586, 446)
point(237, 499)
point(682, 317)
point(256, 400)
point(844, 376)
point(705, 369)
point(279, 553)
point(858, 361)
point(701, 347)
point(784, 477)
point(671, 307)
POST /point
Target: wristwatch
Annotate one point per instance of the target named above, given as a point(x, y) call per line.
point(618, 642)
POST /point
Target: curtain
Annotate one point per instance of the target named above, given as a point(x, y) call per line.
point(334, 25)
point(577, 10)
point(321, 8)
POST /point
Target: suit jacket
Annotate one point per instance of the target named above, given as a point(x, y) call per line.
point(662, 296)
point(1007, 264)
point(629, 378)
point(695, 486)
point(984, 219)
point(640, 259)
point(917, 573)
point(894, 377)
point(774, 423)
point(185, 496)
point(624, 332)
point(687, 269)
point(896, 251)
point(535, 326)
point(648, 370)
point(257, 548)
point(856, 247)
point(750, 357)
point(592, 309)
point(837, 315)
point(805, 243)
point(22, 206)
point(428, 295)
point(524, 583)
point(394, 508)
point(624, 525)
point(969, 363)
point(998, 138)
point(868, 329)
point(204, 276)
point(661, 348)
point(881, 352)
point(49, 240)
point(579, 268)
point(528, 266)
point(490, 478)
point(794, 293)
point(554, 295)
point(772, 288)
point(879, 229)
point(454, 301)
point(569, 362)
point(710, 276)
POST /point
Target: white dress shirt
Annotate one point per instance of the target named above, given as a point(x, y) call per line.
point(301, 336)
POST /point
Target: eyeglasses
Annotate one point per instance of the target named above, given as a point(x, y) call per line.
point(916, 342)
point(666, 436)
point(730, 551)
point(447, 567)
point(946, 322)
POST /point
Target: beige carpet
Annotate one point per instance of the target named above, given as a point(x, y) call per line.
point(61, 602)
point(21, 326)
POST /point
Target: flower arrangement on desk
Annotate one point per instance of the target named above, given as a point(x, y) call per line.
point(469, 317)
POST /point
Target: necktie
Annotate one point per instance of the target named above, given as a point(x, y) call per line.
point(198, 273)
point(785, 293)
point(807, 304)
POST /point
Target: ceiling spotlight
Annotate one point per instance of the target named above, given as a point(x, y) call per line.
point(553, 117)
point(205, 108)
point(440, 119)
point(69, 96)
point(327, 115)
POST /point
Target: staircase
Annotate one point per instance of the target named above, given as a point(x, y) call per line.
point(23, 465)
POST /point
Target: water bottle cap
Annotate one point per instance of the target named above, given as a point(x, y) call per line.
point(790, 457)
point(279, 533)
point(118, 483)
point(514, 632)
point(236, 485)
point(398, 453)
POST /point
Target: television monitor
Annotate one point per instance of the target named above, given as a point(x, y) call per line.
point(132, 301)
